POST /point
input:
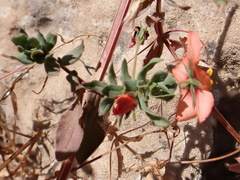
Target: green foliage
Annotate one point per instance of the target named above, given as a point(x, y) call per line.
point(72, 56)
point(111, 75)
point(112, 90)
point(160, 86)
point(37, 50)
point(156, 119)
point(124, 71)
point(105, 105)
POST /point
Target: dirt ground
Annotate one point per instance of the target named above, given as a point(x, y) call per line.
point(72, 18)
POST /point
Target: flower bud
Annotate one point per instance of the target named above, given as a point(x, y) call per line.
point(124, 104)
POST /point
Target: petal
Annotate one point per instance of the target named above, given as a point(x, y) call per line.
point(185, 109)
point(204, 104)
point(179, 72)
point(194, 47)
point(203, 78)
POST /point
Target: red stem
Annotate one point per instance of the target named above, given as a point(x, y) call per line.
point(65, 168)
point(101, 70)
point(112, 41)
point(226, 124)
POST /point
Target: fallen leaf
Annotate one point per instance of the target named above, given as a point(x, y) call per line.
point(69, 133)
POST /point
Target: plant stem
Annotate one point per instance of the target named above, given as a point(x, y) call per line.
point(135, 61)
point(112, 41)
point(16, 153)
point(226, 124)
point(66, 168)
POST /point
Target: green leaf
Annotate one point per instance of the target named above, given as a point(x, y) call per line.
point(34, 43)
point(163, 90)
point(22, 32)
point(159, 76)
point(22, 41)
point(130, 85)
point(105, 105)
point(42, 42)
point(51, 40)
point(156, 119)
point(95, 85)
point(72, 56)
point(119, 118)
point(124, 71)
point(51, 65)
point(112, 75)
point(112, 90)
point(161, 123)
point(142, 74)
point(23, 58)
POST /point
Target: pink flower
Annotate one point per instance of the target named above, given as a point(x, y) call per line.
point(124, 104)
point(196, 100)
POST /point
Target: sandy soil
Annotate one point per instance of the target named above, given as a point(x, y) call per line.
point(71, 18)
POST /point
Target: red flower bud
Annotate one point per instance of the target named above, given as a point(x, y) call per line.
point(124, 104)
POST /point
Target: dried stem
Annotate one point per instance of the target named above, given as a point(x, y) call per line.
point(16, 153)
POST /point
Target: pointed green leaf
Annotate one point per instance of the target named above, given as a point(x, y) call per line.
point(95, 86)
point(105, 105)
point(51, 40)
point(112, 75)
point(72, 56)
point(124, 71)
point(42, 42)
point(142, 74)
point(23, 32)
point(112, 90)
point(156, 119)
point(23, 58)
point(51, 65)
point(120, 119)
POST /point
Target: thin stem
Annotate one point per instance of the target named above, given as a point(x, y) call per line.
point(226, 124)
point(17, 69)
point(16, 153)
point(158, 6)
point(209, 160)
point(135, 61)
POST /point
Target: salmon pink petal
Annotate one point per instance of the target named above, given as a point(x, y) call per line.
point(203, 78)
point(185, 109)
point(180, 73)
point(204, 104)
point(194, 47)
